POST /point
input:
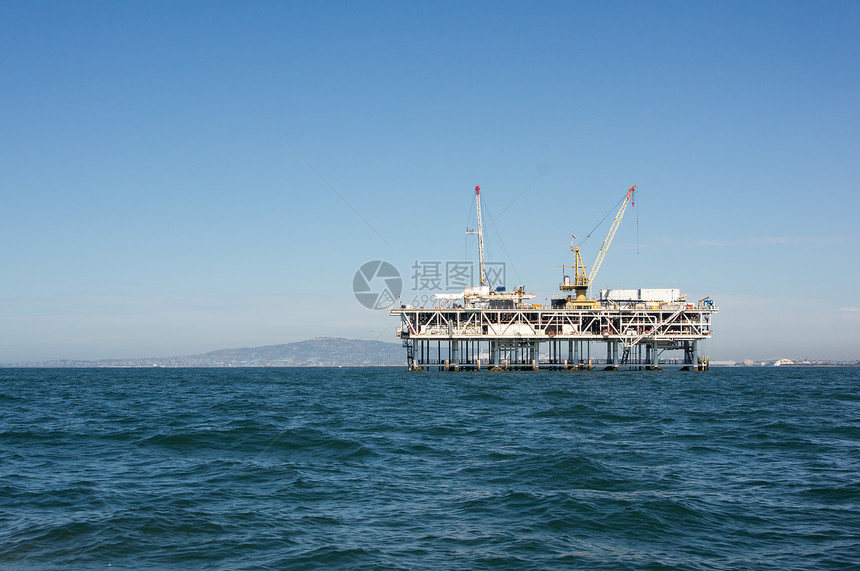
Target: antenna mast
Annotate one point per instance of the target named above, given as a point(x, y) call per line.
point(483, 277)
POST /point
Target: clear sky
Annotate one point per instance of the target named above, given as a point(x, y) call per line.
point(149, 209)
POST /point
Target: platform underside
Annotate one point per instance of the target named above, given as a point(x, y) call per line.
point(664, 336)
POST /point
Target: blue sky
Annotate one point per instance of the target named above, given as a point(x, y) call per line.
point(150, 210)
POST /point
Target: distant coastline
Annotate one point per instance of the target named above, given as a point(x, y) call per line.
point(787, 363)
point(319, 352)
point(328, 352)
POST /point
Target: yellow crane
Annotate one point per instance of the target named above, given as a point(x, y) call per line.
point(581, 280)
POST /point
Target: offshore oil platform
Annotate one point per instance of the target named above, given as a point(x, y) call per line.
point(490, 328)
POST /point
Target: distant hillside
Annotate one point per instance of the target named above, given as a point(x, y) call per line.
point(320, 352)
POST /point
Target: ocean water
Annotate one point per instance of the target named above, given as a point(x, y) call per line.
point(384, 469)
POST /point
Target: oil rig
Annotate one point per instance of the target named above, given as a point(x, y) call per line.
point(490, 328)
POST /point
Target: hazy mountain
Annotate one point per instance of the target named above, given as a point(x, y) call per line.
point(319, 352)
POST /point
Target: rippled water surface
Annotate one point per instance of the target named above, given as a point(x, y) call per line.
point(379, 468)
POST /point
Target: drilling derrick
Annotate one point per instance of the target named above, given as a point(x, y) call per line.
point(483, 278)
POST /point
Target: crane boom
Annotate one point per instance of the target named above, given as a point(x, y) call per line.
point(480, 237)
point(615, 223)
point(581, 280)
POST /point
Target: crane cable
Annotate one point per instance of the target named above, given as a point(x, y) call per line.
point(637, 223)
point(498, 237)
point(471, 210)
point(504, 248)
point(611, 210)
